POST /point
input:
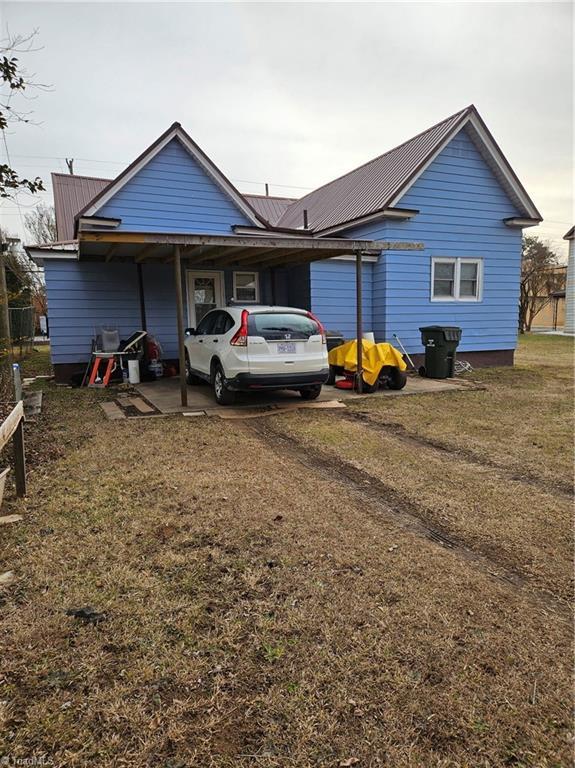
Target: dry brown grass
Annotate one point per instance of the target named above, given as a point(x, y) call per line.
point(522, 421)
point(258, 613)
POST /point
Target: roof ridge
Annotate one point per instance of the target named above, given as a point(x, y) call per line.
point(458, 114)
point(79, 176)
point(269, 197)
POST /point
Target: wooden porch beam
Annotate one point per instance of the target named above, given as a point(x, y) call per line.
point(240, 256)
point(293, 260)
point(313, 243)
point(144, 252)
point(111, 252)
point(272, 256)
point(180, 322)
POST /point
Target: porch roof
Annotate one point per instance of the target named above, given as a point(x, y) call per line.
point(219, 250)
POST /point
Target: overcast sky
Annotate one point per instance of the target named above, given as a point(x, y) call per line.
point(295, 94)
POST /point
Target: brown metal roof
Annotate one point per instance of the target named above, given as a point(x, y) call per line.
point(365, 191)
point(71, 194)
point(372, 186)
point(270, 207)
point(74, 193)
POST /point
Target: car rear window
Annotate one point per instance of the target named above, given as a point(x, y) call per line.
point(279, 326)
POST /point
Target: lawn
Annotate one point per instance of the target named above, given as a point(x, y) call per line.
point(386, 587)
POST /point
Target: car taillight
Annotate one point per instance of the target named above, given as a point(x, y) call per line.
point(240, 338)
point(320, 327)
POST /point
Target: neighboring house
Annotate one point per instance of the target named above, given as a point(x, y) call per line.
point(570, 286)
point(449, 188)
point(550, 306)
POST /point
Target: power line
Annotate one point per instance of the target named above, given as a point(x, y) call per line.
point(123, 164)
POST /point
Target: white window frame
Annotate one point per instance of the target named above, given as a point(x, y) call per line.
point(257, 282)
point(457, 261)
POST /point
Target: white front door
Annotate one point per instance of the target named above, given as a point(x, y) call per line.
point(205, 292)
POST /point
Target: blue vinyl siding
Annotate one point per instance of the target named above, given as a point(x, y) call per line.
point(461, 206)
point(332, 285)
point(173, 193)
point(84, 296)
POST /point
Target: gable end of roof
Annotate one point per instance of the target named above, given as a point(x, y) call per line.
point(175, 131)
point(377, 186)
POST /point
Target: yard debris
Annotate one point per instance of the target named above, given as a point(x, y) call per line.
point(32, 404)
point(392, 548)
point(87, 613)
point(277, 518)
point(10, 519)
point(7, 578)
point(112, 410)
point(349, 762)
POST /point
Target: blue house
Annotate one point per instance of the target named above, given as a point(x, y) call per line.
point(436, 224)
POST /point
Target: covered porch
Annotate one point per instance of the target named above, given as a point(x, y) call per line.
point(175, 261)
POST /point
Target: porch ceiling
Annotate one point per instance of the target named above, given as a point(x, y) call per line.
point(219, 250)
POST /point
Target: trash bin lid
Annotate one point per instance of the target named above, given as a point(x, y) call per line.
point(450, 332)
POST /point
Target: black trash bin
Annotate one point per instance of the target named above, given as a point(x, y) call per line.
point(440, 342)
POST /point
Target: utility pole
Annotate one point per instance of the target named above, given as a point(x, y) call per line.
point(70, 164)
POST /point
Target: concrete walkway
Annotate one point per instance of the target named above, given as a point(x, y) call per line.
point(164, 394)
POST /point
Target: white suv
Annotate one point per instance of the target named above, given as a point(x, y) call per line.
point(252, 348)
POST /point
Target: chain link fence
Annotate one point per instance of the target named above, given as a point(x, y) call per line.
point(22, 329)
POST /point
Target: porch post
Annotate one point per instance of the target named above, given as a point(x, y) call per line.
point(141, 295)
point(359, 321)
point(180, 320)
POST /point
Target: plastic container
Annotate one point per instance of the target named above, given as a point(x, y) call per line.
point(133, 371)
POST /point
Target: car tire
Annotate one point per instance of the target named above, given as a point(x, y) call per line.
point(311, 393)
point(223, 395)
point(397, 379)
point(332, 375)
point(191, 378)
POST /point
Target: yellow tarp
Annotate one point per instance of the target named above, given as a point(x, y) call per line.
point(375, 356)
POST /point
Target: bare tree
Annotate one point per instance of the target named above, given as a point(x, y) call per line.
point(14, 80)
point(41, 224)
point(539, 279)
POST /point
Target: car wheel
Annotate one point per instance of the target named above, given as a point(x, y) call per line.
point(311, 393)
point(191, 378)
point(223, 395)
point(396, 379)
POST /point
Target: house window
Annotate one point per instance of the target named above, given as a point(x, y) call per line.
point(456, 279)
point(246, 287)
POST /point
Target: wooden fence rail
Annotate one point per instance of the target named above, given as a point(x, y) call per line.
point(13, 427)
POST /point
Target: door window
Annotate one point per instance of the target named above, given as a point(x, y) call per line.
point(204, 294)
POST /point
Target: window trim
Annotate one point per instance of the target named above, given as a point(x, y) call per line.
point(457, 261)
point(257, 282)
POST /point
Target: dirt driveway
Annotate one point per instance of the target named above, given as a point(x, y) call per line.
point(387, 587)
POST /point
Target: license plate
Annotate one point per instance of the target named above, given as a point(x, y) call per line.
point(286, 348)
